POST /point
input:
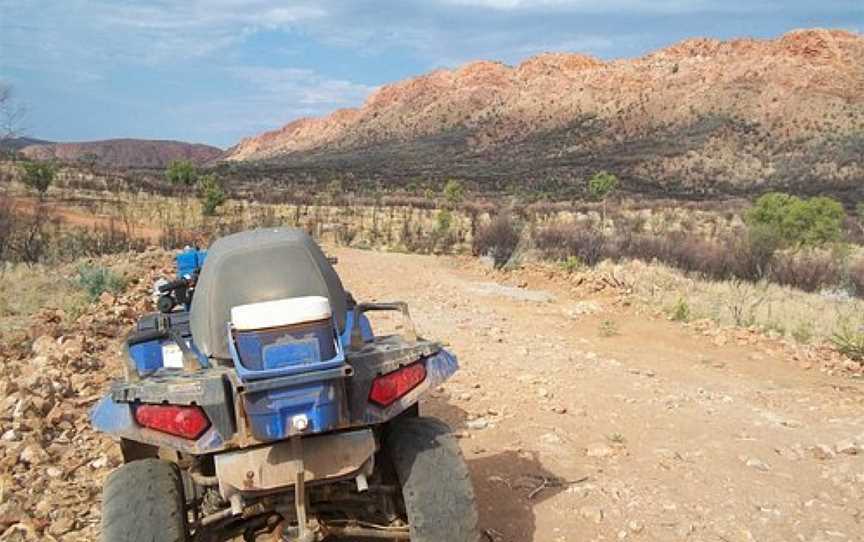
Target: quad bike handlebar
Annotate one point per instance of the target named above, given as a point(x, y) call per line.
point(172, 285)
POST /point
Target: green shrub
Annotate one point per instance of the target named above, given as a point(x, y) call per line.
point(211, 194)
point(454, 192)
point(39, 176)
point(601, 184)
point(97, 280)
point(182, 173)
point(572, 264)
point(793, 221)
point(443, 222)
point(680, 312)
point(849, 341)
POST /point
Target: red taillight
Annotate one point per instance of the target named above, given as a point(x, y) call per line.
point(392, 386)
point(182, 421)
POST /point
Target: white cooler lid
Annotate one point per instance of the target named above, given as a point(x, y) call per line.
point(281, 312)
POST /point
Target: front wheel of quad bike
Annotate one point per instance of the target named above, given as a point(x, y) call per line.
point(436, 486)
point(142, 501)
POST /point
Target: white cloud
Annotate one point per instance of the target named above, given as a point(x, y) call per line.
point(602, 6)
point(781, 9)
point(293, 86)
point(102, 33)
point(274, 97)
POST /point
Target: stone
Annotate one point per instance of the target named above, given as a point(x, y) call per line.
point(592, 513)
point(61, 526)
point(478, 424)
point(757, 464)
point(847, 447)
point(600, 450)
point(822, 452)
point(45, 345)
point(33, 454)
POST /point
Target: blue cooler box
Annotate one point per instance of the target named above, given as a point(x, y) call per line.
point(288, 353)
point(271, 412)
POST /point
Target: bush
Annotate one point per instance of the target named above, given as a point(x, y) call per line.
point(443, 222)
point(454, 192)
point(182, 173)
point(749, 255)
point(601, 184)
point(796, 222)
point(810, 271)
point(849, 341)
point(572, 265)
point(855, 275)
point(39, 176)
point(97, 280)
point(211, 194)
point(562, 242)
point(497, 239)
point(680, 312)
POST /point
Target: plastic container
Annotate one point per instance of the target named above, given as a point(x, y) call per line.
point(147, 355)
point(282, 337)
point(189, 261)
point(271, 413)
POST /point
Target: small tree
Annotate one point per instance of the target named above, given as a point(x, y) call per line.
point(39, 176)
point(498, 239)
point(211, 194)
point(11, 114)
point(182, 173)
point(454, 192)
point(796, 222)
point(443, 222)
point(600, 186)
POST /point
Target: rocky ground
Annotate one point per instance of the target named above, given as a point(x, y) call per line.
point(582, 416)
point(52, 463)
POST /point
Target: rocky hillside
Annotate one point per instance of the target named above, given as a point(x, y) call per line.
point(15, 144)
point(123, 152)
point(700, 117)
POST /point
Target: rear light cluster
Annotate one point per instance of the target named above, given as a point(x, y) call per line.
point(188, 422)
point(386, 389)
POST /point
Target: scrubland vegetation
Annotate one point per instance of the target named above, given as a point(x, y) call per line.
point(788, 264)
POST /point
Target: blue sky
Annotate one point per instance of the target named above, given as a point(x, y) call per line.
point(218, 70)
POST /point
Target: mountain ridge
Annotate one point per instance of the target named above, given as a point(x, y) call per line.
point(742, 114)
point(123, 152)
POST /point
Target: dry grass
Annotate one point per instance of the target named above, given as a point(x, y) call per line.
point(26, 289)
point(792, 313)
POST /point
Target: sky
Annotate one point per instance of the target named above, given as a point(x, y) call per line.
point(216, 71)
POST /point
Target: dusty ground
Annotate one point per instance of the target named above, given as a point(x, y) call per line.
point(618, 425)
point(582, 417)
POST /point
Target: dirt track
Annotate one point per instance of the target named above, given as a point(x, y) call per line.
point(644, 431)
point(654, 433)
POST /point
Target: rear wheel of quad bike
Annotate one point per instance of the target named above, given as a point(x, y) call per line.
point(142, 501)
point(436, 487)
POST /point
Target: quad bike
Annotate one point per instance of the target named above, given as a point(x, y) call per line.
point(268, 407)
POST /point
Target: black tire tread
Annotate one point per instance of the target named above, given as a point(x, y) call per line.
point(143, 501)
point(436, 484)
